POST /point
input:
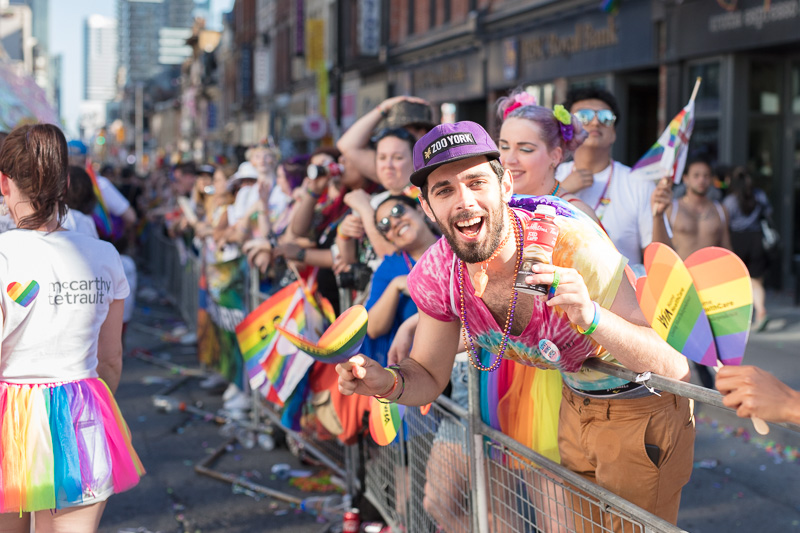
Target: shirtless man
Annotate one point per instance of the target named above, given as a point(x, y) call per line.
point(697, 221)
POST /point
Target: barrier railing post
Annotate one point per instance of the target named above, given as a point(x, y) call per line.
point(480, 515)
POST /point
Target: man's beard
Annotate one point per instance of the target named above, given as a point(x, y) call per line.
point(480, 251)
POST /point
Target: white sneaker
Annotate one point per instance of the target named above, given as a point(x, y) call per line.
point(212, 381)
point(230, 392)
point(240, 401)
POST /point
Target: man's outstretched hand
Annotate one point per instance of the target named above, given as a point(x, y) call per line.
point(362, 375)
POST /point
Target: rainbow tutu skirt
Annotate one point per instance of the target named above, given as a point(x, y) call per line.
point(62, 445)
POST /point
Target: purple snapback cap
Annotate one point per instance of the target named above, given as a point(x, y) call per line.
point(446, 143)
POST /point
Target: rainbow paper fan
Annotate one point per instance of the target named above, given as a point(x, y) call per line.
point(385, 421)
point(671, 305)
point(341, 340)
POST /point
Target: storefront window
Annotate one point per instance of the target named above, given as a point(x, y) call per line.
point(707, 100)
point(764, 88)
point(705, 140)
point(543, 93)
point(600, 83)
point(762, 159)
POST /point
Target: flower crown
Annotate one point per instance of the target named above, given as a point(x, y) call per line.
point(520, 99)
point(564, 122)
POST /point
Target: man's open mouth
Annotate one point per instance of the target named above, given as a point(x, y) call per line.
point(470, 227)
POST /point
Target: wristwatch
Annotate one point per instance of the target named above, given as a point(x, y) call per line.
point(301, 255)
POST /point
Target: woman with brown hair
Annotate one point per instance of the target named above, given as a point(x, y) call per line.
point(64, 446)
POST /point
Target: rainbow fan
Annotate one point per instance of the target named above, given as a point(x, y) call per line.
point(723, 284)
point(341, 340)
point(385, 421)
point(670, 303)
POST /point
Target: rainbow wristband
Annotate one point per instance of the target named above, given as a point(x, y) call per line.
point(382, 398)
point(595, 321)
point(554, 286)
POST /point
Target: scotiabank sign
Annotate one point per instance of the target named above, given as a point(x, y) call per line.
point(706, 28)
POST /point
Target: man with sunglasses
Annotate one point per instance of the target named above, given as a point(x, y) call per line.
point(622, 204)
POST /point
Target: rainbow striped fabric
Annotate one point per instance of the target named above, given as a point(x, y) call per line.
point(63, 445)
point(275, 366)
point(341, 340)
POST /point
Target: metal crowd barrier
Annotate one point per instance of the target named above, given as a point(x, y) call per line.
point(177, 270)
point(449, 471)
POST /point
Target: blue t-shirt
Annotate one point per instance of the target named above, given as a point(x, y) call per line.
point(391, 267)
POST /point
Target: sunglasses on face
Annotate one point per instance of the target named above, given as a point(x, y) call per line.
point(606, 117)
point(385, 224)
point(400, 133)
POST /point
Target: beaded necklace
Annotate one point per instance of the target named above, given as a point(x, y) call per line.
point(474, 358)
point(555, 189)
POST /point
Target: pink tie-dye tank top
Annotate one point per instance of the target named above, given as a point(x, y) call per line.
point(581, 245)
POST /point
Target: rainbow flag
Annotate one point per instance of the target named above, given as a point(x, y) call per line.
point(101, 216)
point(667, 157)
point(274, 366)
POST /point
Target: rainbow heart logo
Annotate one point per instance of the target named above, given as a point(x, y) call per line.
point(23, 293)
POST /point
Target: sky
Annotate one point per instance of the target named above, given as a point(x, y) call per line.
point(66, 38)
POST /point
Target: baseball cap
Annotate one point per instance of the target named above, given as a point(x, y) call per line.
point(447, 143)
point(206, 169)
point(76, 148)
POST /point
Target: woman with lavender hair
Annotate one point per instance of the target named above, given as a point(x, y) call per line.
point(533, 141)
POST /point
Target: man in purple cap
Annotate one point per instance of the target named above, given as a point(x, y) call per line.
point(614, 432)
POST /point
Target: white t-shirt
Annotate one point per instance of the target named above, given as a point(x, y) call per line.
point(55, 297)
point(77, 221)
point(628, 218)
point(129, 266)
point(115, 202)
point(246, 197)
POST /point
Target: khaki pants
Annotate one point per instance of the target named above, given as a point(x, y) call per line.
point(604, 441)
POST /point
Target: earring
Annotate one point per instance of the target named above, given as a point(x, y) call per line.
point(3, 206)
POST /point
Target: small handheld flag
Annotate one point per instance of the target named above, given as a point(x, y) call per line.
point(667, 157)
